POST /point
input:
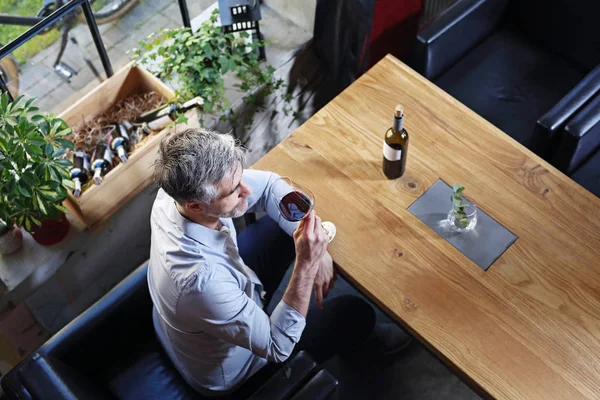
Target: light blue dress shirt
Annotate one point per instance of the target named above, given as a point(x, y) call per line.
point(208, 310)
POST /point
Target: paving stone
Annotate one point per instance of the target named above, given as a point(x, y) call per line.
point(154, 24)
point(104, 27)
point(118, 55)
point(62, 93)
point(83, 35)
point(139, 14)
point(16, 320)
point(195, 7)
point(9, 356)
point(160, 5)
point(75, 97)
point(48, 56)
point(65, 316)
point(114, 36)
point(85, 76)
point(21, 330)
point(43, 86)
point(174, 13)
point(48, 301)
point(173, 24)
point(36, 59)
point(31, 74)
point(47, 103)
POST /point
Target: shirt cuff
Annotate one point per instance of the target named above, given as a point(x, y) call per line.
point(288, 227)
point(289, 321)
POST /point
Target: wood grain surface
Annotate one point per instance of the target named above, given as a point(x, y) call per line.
point(529, 327)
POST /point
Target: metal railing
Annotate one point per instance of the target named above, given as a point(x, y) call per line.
point(185, 15)
point(44, 23)
point(51, 20)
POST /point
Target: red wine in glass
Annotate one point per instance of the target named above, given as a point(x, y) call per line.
point(295, 202)
point(295, 205)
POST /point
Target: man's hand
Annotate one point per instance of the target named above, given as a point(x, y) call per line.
point(325, 279)
point(310, 240)
point(311, 245)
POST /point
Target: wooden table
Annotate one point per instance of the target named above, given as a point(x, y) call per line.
point(529, 327)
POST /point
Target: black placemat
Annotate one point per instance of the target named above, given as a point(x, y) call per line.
point(483, 245)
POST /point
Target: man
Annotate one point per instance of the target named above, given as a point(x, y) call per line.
point(210, 287)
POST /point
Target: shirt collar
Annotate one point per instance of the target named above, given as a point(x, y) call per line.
point(200, 233)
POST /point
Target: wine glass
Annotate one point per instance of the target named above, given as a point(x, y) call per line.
point(295, 201)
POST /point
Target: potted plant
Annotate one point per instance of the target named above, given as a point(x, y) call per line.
point(194, 63)
point(462, 217)
point(11, 238)
point(34, 174)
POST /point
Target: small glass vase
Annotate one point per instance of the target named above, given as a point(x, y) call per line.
point(463, 221)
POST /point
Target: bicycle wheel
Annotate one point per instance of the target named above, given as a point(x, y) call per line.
point(109, 11)
point(10, 74)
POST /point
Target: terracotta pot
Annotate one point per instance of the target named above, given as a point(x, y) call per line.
point(52, 231)
point(11, 241)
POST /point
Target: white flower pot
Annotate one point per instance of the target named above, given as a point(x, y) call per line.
point(11, 241)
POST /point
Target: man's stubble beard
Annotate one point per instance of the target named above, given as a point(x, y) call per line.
point(236, 212)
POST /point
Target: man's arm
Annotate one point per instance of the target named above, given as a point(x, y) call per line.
point(217, 306)
point(311, 245)
point(261, 198)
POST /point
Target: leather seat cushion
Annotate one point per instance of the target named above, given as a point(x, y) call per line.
point(588, 175)
point(147, 373)
point(510, 82)
point(566, 27)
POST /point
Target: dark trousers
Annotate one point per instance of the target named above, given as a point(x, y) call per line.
point(342, 326)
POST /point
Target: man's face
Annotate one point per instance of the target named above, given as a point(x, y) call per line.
point(232, 201)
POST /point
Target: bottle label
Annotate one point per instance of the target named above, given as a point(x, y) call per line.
point(390, 153)
point(107, 154)
point(85, 158)
point(160, 123)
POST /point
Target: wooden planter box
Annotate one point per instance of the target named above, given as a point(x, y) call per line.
point(126, 180)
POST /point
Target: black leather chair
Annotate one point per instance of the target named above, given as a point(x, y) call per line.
point(111, 352)
point(525, 65)
point(582, 139)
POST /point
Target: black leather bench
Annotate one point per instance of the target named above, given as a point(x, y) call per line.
point(111, 352)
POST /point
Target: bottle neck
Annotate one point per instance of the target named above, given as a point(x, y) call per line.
point(122, 154)
point(98, 175)
point(122, 132)
point(169, 110)
point(397, 124)
point(77, 190)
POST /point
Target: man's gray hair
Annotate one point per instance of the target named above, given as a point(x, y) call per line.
point(192, 163)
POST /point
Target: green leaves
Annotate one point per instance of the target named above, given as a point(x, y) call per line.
point(195, 62)
point(59, 152)
point(3, 104)
point(30, 178)
point(34, 177)
point(48, 150)
point(67, 144)
point(181, 118)
point(24, 191)
point(457, 188)
point(458, 202)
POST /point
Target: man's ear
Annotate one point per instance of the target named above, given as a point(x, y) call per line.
point(194, 207)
